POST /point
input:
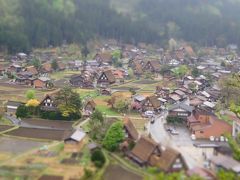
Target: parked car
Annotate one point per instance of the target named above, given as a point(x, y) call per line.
point(149, 113)
point(174, 132)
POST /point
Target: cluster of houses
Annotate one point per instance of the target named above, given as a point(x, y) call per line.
point(146, 152)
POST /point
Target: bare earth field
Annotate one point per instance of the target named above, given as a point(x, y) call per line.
point(4, 128)
point(17, 146)
point(61, 125)
point(116, 172)
point(38, 133)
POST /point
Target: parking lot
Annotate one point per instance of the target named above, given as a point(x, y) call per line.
point(182, 142)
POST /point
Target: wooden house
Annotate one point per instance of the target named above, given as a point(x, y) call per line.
point(41, 82)
point(152, 103)
point(152, 66)
point(73, 142)
point(106, 78)
point(49, 103)
point(180, 110)
point(205, 125)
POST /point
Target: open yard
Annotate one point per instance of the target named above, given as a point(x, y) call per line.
point(45, 134)
point(15, 145)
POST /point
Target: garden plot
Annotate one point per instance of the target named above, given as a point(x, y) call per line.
point(14, 145)
point(116, 172)
point(33, 133)
point(4, 128)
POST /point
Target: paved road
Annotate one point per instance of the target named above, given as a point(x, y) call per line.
point(182, 142)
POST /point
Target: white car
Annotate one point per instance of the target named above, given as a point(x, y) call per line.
point(149, 113)
point(174, 132)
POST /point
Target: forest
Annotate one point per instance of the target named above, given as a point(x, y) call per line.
point(27, 24)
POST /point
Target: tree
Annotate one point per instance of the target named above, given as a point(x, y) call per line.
point(69, 103)
point(85, 52)
point(32, 103)
point(30, 94)
point(235, 146)
point(114, 136)
point(96, 118)
point(172, 44)
point(180, 71)
point(121, 105)
point(132, 91)
point(22, 111)
point(226, 175)
point(36, 63)
point(98, 158)
point(54, 64)
point(195, 72)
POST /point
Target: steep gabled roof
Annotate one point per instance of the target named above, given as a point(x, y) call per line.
point(130, 128)
point(154, 101)
point(144, 148)
point(166, 159)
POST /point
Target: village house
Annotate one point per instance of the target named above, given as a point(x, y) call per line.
point(46, 68)
point(2, 70)
point(180, 110)
point(137, 68)
point(89, 107)
point(103, 57)
point(12, 107)
point(14, 68)
point(49, 103)
point(169, 161)
point(74, 141)
point(131, 133)
point(119, 76)
point(24, 78)
point(148, 153)
point(143, 150)
point(105, 91)
point(84, 80)
point(42, 82)
point(31, 69)
point(217, 162)
point(137, 101)
point(152, 66)
point(152, 103)
point(106, 78)
point(204, 125)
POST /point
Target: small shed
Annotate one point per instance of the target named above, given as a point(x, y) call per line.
point(73, 141)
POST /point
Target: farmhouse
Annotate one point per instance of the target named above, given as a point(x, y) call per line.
point(152, 103)
point(41, 82)
point(130, 131)
point(49, 103)
point(106, 78)
point(152, 66)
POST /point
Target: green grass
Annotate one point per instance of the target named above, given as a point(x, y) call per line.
point(87, 93)
point(86, 157)
point(4, 121)
point(63, 74)
point(106, 110)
